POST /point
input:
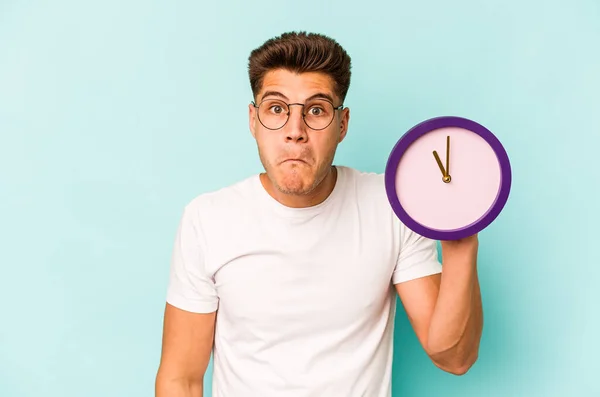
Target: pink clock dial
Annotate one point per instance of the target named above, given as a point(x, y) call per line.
point(448, 178)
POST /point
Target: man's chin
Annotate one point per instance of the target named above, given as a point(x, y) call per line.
point(297, 189)
point(295, 183)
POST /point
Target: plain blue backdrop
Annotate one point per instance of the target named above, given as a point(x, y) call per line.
point(114, 114)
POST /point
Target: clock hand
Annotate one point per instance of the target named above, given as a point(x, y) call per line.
point(448, 156)
point(437, 158)
point(445, 176)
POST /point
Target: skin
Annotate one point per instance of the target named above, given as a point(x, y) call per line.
point(186, 348)
point(445, 309)
point(309, 181)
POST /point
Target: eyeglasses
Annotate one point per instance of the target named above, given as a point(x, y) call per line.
point(317, 113)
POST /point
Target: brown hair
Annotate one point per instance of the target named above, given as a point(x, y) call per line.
point(301, 52)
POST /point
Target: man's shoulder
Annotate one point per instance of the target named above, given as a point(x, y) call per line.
point(368, 190)
point(226, 199)
point(365, 183)
point(362, 175)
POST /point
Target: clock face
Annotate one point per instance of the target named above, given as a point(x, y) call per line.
point(448, 178)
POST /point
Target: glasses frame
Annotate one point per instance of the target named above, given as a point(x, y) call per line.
point(289, 105)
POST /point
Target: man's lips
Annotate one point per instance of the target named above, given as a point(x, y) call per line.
point(294, 160)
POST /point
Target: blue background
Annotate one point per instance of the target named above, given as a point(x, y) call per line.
point(115, 114)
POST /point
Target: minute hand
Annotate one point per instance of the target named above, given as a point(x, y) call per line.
point(448, 156)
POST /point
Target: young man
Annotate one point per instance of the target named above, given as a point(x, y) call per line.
point(290, 277)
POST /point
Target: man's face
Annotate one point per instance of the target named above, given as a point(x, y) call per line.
point(296, 157)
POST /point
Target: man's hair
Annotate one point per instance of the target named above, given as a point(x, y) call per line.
point(301, 52)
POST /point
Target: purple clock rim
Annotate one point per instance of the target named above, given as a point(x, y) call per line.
point(415, 133)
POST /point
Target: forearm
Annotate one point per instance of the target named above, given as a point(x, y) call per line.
point(457, 321)
point(178, 387)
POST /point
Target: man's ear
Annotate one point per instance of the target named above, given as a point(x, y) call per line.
point(345, 120)
point(252, 119)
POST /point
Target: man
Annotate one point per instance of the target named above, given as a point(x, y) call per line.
point(290, 277)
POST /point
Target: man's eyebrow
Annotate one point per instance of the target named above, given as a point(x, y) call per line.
point(274, 93)
point(321, 95)
point(318, 95)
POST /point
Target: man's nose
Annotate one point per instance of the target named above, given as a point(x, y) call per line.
point(296, 128)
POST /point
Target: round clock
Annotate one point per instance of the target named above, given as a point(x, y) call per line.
point(448, 178)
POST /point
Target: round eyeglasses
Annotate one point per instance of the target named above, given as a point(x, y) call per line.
point(318, 113)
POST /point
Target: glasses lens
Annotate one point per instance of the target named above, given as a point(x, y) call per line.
point(318, 114)
point(273, 113)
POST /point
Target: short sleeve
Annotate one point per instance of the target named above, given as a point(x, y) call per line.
point(418, 257)
point(190, 286)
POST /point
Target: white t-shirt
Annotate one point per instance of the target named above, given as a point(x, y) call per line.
point(304, 296)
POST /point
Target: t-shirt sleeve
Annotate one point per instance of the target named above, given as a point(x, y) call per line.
point(190, 286)
point(418, 257)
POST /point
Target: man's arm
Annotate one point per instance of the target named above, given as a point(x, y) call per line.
point(190, 312)
point(186, 347)
point(445, 309)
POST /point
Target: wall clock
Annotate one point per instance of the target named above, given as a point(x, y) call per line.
point(448, 178)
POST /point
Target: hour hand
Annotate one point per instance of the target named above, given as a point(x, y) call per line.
point(445, 175)
point(439, 161)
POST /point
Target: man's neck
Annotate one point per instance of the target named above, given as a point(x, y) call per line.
point(317, 196)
